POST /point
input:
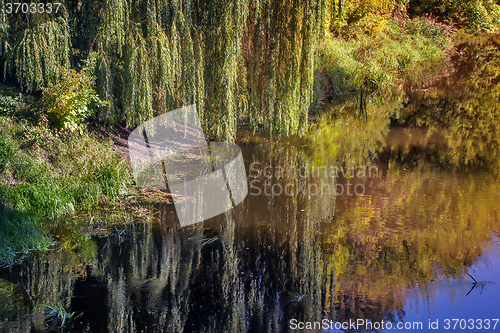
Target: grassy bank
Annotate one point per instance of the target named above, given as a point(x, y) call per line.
point(19, 234)
point(47, 173)
point(381, 55)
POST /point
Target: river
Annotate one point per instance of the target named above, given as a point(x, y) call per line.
point(397, 237)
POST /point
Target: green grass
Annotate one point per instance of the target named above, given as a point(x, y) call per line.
point(19, 235)
point(45, 174)
point(381, 55)
point(50, 175)
point(56, 316)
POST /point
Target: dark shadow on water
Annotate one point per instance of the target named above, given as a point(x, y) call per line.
point(89, 299)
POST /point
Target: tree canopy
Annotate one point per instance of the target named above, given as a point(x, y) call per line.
point(232, 58)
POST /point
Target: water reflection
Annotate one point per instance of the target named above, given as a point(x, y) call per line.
point(413, 233)
point(461, 112)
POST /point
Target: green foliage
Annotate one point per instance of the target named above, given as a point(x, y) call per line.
point(34, 55)
point(231, 58)
point(474, 14)
point(10, 105)
point(211, 54)
point(19, 234)
point(67, 102)
point(225, 71)
point(50, 175)
point(357, 9)
point(281, 63)
point(7, 152)
point(155, 58)
point(342, 12)
point(398, 55)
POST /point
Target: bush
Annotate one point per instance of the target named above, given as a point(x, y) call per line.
point(342, 12)
point(67, 102)
point(474, 14)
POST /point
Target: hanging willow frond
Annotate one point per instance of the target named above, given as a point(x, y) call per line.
point(281, 62)
point(38, 55)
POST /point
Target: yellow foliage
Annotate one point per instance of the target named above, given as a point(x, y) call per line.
point(67, 101)
point(362, 8)
point(375, 13)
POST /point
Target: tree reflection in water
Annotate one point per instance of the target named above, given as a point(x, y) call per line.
point(272, 259)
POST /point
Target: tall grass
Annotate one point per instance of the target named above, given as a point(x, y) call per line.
point(381, 55)
point(51, 175)
point(19, 234)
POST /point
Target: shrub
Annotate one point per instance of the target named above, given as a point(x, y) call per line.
point(342, 12)
point(473, 14)
point(67, 102)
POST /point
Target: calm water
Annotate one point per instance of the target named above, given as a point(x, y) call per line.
point(398, 249)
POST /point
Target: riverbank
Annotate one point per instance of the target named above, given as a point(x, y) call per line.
point(46, 173)
point(382, 56)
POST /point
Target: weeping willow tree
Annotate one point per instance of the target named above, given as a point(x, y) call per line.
point(232, 58)
point(280, 56)
point(34, 47)
point(150, 59)
point(225, 23)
